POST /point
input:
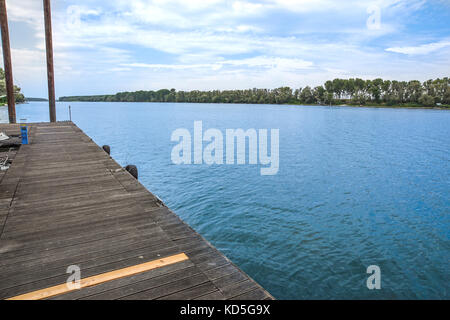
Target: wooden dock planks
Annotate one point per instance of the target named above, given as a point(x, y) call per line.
point(65, 202)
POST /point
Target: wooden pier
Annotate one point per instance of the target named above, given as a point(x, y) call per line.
point(65, 202)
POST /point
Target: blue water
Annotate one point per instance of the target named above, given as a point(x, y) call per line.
point(356, 187)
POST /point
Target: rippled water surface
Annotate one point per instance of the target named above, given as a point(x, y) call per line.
point(356, 187)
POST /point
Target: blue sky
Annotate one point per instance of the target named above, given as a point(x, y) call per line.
point(106, 46)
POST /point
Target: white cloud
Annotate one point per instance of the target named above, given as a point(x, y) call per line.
point(261, 62)
point(30, 11)
point(272, 62)
point(247, 8)
point(167, 66)
point(306, 5)
point(201, 44)
point(420, 50)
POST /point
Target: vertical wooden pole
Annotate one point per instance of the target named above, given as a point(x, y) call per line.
point(7, 63)
point(50, 70)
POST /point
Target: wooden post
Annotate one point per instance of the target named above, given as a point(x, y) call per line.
point(7, 63)
point(49, 49)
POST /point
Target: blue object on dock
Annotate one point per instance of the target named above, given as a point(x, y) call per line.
point(24, 133)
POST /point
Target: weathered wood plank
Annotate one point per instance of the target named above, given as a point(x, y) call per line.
point(215, 295)
point(191, 293)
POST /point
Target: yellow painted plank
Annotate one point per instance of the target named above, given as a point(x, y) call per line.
point(104, 277)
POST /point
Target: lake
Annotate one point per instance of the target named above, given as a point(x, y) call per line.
point(355, 187)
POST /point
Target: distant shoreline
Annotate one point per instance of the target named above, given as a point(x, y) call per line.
point(377, 93)
point(34, 99)
point(443, 107)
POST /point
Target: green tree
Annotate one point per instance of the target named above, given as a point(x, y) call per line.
point(19, 97)
point(307, 96)
point(427, 100)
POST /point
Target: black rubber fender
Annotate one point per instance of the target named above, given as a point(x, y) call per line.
point(132, 169)
point(107, 149)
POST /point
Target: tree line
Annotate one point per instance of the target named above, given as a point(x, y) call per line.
point(338, 91)
point(3, 99)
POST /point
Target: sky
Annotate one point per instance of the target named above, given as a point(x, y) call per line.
point(107, 46)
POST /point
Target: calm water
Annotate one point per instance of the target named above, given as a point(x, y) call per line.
point(356, 187)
